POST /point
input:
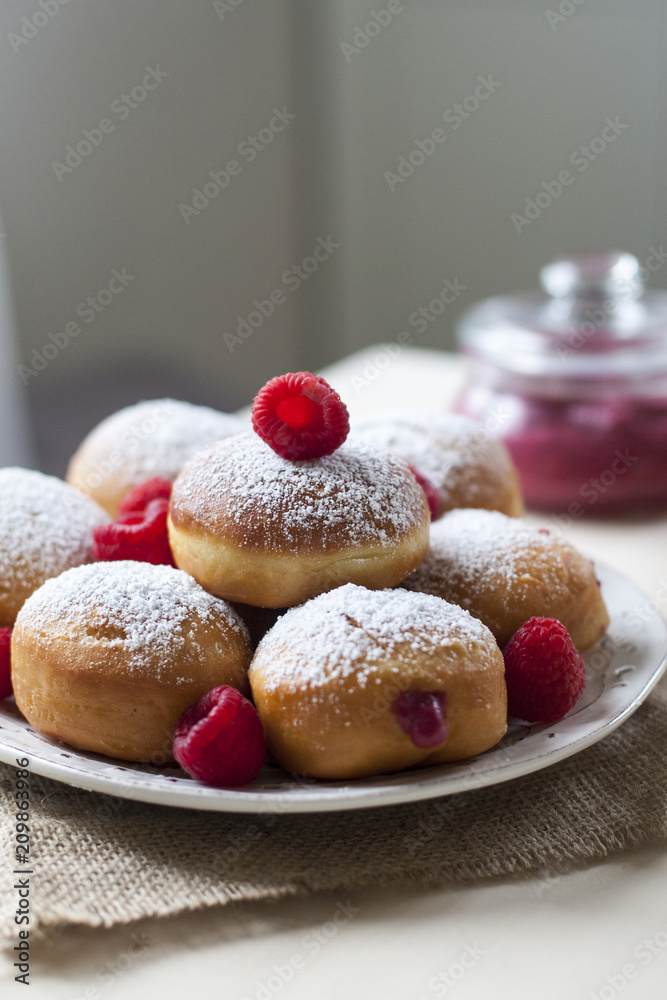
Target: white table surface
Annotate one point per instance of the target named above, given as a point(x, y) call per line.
point(544, 937)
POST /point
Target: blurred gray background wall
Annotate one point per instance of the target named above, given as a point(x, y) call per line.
point(200, 194)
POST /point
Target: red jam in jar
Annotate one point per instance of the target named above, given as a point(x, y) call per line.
point(574, 382)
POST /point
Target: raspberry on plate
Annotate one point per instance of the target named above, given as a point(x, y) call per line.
point(5, 662)
point(300, 416)
point(138, 498)
point(141, 535)
point(220, 740)
point(544, 671)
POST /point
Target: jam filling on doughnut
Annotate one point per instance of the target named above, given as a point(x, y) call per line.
point(432, 495)
point(421, 714)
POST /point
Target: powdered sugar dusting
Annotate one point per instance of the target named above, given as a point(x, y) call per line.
point(447, 448)
point(46, 527)
point(342, 633)
point(144, 611)
point(157, 437)
point(357, 495)
point(485, 545)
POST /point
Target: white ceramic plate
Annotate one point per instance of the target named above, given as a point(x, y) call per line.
point(620, 672)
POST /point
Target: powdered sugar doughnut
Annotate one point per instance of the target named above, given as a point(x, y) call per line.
point(467, 466)
point(503, 571)
point(256, 528)
point(46, 527)
point(152, 438)
point(348, 685)
point(107, 657)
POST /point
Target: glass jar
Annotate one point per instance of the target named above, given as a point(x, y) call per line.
point(574, 381)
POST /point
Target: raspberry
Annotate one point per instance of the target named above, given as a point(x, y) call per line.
point(300, 416)
point(431, 493)
point(141, 536)
point(220, 740)
point(138, 498)
point(5, 664)
point(421, 714)
point(544, 671)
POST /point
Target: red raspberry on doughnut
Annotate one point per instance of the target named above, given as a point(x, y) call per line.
point(300, 416)
point(544, 671)
point(5, 662)
point(141, 535)
point(220, 740)
point(138, 498)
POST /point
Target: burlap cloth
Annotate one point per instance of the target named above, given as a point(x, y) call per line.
point(100, 860)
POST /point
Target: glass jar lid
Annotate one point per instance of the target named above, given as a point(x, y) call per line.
point(592, 320)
